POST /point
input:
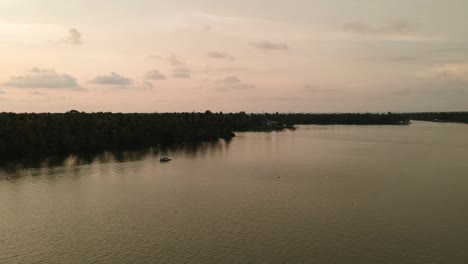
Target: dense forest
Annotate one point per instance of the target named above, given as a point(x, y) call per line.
point(456, 117)
point(26, 135)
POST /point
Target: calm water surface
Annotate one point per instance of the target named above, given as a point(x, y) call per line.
point(320, 194)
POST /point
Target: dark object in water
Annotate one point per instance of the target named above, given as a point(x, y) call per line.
point(165, 159)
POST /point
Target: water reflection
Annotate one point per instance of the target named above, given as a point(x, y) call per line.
point(337, 194)
point(18, 168)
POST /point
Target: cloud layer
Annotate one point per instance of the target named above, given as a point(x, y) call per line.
point(43, 78)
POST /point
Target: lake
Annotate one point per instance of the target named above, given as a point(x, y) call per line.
point(319, 194)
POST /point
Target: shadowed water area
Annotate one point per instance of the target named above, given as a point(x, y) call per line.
point(320, 194)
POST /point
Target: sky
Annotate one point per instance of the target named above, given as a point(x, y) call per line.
point(230, 56)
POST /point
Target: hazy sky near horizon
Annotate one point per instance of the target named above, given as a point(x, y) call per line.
point(244, 55)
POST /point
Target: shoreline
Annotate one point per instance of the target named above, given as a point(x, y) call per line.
point(24, 136)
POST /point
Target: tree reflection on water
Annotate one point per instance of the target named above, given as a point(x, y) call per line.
point(17, 168)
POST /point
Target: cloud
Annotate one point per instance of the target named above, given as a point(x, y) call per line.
point(447, 72)
point(399, 58)
point(359, 28)
point(229, 80)
point(225, 70)
point(111, 79)
point(175, 61)
point(268, 45)
point(219, 55)
point(438, 56)
point(38, 93)
point(181, 73)
point(147, 86)
point(441, 88)
point(43, 78)
point(179, 68)
point(312, 88)
point(317, 88)
point(155, 75)
point(232, 83)
point(454, 71)
point(74, 37)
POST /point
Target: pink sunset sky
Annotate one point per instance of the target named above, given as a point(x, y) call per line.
point(244, 55)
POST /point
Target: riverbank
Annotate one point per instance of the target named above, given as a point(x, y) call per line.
point(441, 117)
point(31, 135)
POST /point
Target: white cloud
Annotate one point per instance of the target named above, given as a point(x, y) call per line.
point(74, 37)
point(155, 75)
point(230, 83)
point(175, 61)
point(112, 79)
point(43, 78)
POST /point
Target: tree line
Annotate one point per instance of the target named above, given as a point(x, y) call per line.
point(30, 134)
point(340, 118)
point(456, 117)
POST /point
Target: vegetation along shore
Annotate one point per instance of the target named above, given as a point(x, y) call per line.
point(31, 135)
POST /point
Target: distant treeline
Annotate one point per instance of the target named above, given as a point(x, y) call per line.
point(26, 135)
point(340, 119)
point(457, 117)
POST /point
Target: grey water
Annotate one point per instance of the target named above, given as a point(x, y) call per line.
point(320, 194)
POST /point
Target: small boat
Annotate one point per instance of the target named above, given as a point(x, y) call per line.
point(165, 159)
